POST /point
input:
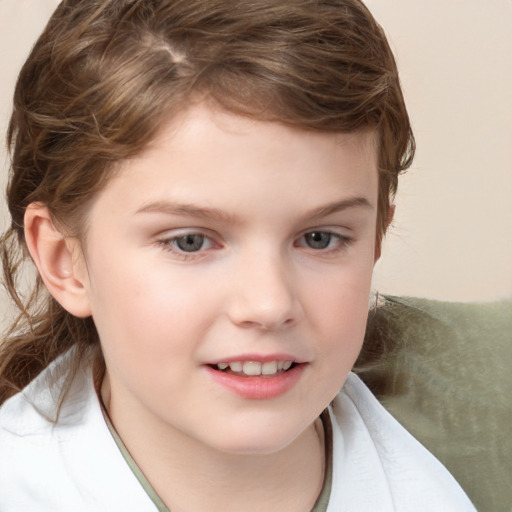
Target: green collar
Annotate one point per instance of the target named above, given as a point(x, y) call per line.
point(321, 502)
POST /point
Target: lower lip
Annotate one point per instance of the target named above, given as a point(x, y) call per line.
point(258, 388)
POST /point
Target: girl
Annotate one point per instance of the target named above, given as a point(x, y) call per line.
point(203, 188)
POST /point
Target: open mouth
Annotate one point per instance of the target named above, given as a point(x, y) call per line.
point(254, 368)
point(254, 379)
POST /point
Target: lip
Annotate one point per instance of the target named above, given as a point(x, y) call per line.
point(258, 387)
point(258, 358)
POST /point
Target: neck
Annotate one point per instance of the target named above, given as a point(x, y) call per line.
point(187, 475)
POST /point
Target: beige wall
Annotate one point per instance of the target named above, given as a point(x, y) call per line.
point(452, 236)
point(453, 232)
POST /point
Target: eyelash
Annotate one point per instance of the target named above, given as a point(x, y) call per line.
point(171, 244)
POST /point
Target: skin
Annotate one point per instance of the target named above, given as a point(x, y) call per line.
point(256, 286)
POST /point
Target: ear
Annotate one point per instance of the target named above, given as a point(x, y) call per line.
point(389, 220)
point(58, 259)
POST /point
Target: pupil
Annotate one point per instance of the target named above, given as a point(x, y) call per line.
point(190, 243)
point(318, 240)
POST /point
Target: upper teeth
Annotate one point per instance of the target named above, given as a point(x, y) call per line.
point(253, 368)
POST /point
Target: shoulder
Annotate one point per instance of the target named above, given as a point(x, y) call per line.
point(35, 411)
point(64, 459)
point(32, 437)
point(378, 463)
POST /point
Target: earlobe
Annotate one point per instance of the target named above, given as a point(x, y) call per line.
point(58, 260)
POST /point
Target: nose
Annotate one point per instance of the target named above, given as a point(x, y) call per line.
point(264, 294)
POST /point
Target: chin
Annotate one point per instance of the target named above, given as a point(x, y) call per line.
point(257, 440)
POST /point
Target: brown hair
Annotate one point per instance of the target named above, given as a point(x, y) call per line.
point(106, 74)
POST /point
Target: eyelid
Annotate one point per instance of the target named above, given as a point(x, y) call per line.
point(340, 232)
point(174, 233)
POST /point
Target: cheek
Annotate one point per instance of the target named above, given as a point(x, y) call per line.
point(149, 312)
point(339, 323)
point(341, 310)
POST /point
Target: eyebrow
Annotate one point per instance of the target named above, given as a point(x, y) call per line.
point(186, 210)
point(338, 206)
point(201, 212)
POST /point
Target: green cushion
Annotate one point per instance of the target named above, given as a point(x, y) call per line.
point(444, 370)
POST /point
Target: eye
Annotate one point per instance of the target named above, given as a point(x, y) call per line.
point(318, 239)
point(191, 242)
point(323, 241)
point(187, 244)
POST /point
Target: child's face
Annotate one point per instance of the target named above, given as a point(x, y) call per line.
point(233, 241)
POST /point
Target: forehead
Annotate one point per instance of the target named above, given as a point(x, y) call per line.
point(207, 117)
point(211, 156)
point(203, 128)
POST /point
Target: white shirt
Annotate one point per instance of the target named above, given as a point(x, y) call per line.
point(76, 466)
